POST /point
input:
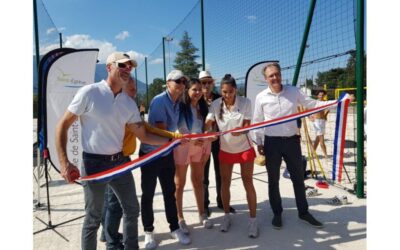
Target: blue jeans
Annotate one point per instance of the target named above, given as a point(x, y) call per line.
point(112, 215)
point(164, 169)
point(94, 192)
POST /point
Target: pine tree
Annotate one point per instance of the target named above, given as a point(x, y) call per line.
point(186, 59)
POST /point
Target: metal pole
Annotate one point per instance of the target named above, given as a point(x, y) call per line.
point(360, 97)
point(304, 42)
point(61, 41)
point(163, 53)
point(36, 36)
point(203, 50)
point(147, 83)
point(137, 90)
point(38, 204)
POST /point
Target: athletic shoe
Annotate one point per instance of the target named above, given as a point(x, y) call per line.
point(181, 237)
point(253, 228)
point(336, 201)
point(184, 227)
point(312, 192)
point(277, 221)
point(205, 221)
point(149, 242)
point(226, 223)
point(311, 220)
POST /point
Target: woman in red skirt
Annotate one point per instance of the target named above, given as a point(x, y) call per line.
point(229, 112)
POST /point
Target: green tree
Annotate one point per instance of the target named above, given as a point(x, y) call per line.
point(341, 77)
point(351, 70)
point(333, 78)
point(155, 88)
point(185, 60)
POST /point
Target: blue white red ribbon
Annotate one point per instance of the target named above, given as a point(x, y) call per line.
point(129, 166)
point(339, 140)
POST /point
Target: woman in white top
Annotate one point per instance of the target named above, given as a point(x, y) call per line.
point(232, 111)
point(192, 114)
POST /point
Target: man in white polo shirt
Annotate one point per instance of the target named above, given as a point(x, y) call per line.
point(103, 110)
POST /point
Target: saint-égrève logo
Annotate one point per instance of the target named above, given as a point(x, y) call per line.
point(69, 81)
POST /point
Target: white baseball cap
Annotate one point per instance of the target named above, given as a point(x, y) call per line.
point(119, 57)
point(175, 75)
point(205, 74)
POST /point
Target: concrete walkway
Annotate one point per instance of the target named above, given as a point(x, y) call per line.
point(345, 225)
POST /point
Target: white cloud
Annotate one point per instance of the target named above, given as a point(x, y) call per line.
point(122, 36)
point(156, 61)
point(252, 19)
point(79, 41)
point(51, 30)
point(82, 41)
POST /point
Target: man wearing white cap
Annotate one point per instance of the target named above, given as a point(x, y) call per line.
point(103, 110)
point(209, 96)
point(163, 114)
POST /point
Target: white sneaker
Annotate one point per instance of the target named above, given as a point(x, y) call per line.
point(184, 227)
point(226, 223)
point(181, 237)
point(311, 193)
point(149, 242)
point(253, 228)
point(207, 223)
point(344, 200)
point(336, 200)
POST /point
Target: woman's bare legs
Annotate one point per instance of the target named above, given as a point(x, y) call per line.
point(246, 170)
point(226, 177)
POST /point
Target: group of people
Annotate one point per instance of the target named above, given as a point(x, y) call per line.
point(111, 122)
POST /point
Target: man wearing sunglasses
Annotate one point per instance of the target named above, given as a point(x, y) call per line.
point(209, 96)
point(103, 110)
point(163, 114)
point(112, 211)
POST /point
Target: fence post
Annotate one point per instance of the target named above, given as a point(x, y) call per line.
point(304, 42)
point(39, 156)
point(203, 50)
point(137, 90)
point(360, 97)
point(60, 36)
point(36, 35)
point(147, 82)
point(163, 53)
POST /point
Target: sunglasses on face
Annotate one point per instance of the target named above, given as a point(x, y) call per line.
point(124, 66)
point(181, 81)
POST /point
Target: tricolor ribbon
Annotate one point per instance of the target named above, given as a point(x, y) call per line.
point(166, 148)
point(339, 139)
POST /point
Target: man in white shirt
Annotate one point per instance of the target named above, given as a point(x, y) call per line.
point(282, 141)
point(103, 110)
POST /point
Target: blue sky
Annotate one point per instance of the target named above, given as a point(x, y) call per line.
point(238, 33)
point(130, 26)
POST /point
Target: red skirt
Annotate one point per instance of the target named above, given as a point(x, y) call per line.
point(241, 157)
